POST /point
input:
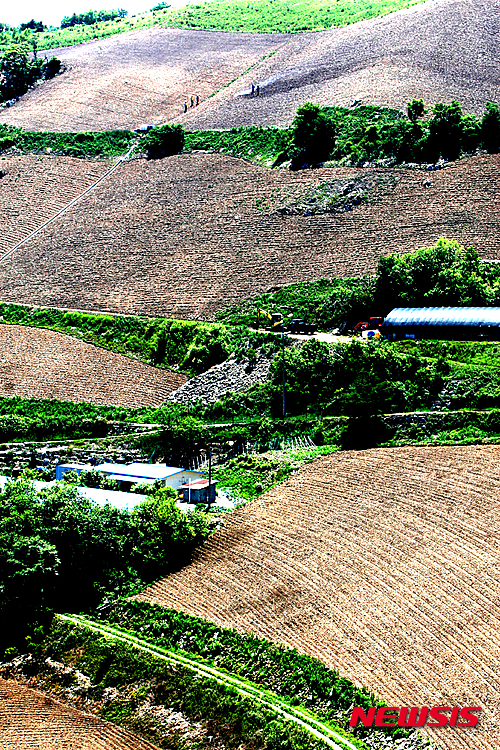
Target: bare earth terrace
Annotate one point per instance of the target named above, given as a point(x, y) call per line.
point(189, 235)
point(37, 363)
point(383, 563)
point(30, 720)
point(35, 188)
point(136, 78)
point(438, 50)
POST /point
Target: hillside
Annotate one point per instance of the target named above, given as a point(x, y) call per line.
point(382, 563)
point(35, 188)
point(29, 719)
point(37, 363)
point(439, 50)
point(135, 78)
point(189, 235)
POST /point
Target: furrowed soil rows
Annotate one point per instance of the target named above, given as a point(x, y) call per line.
point(438, 51)
point(189, 235)
point(35, 188)
point(136, 78)
point(383, 563)
point(37, 363)
point(30, 720)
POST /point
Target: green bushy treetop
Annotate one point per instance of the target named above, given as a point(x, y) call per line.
point(313, 134)
point(60, 549)
point(165, 140)
point(92, 16)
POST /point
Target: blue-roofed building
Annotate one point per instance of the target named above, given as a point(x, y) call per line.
point(167, 476)
point(451, 323)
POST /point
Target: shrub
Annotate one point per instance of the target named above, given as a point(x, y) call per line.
point(165, 140)
point(313, 134)
point(490, 127)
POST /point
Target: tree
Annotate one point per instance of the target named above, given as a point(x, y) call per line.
point(17, 74)
point(446, 131)
point(165, 140)
point(415, 109)
point(313, 134)
point(490, 127)
point(33, 26)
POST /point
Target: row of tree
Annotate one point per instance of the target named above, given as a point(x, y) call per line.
point(92, 16)
point(448, 133)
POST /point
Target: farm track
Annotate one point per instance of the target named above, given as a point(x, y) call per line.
point(438, 50)
point(135, 78)
point(188, 236)
point(268, 700)
point(382, 563)
point(38, 363)
point(31, 720)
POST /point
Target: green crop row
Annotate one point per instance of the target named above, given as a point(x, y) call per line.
point(300, 679)
point(189, 346)
point(85, 144)
point(140, 679)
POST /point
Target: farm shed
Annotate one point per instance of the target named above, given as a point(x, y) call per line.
point(452, 323)
point(168, 476)
point(198, 491)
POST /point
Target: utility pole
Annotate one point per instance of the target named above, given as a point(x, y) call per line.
point(209, 473)
point(283, 362)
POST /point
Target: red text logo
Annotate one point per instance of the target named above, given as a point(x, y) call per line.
point(415, 716)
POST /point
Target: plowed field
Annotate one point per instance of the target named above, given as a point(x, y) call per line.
point(382, 563)
point(439, 51)
point(189, 235)
point(36, 363)
point(30, 720)
point(136, 78)
point(35, 188)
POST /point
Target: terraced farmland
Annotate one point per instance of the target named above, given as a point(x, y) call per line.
point(30, 720)
point(37, 363)
point(35, 188)
point(189, 235)
point(136, 78)
point(382, 563)
point(439, 50)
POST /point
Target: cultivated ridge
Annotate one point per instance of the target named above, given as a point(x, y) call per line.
point(383, 563)
point(135, 78)
point(38, 363)
point(30, 720)
point(189, 235)
point(438, 50)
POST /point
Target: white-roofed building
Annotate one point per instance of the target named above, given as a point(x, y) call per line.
point(167, 476)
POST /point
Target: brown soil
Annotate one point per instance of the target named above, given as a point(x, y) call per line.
point(30, 720)
point(189, 235)
point(37, 363)
point(35, 188)
point(141, 77)
point(381, 563)
point(439, 50)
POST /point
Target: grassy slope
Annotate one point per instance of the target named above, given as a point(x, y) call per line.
point(280, 15)
point(228, 15)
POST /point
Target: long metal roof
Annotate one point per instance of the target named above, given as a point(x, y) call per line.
point(443, 316)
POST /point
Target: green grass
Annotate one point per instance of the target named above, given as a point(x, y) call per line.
point(248, 475)
point(257, 144)
point(88, 33)
point(87, 144)
point(226, 15)
point(280, 15)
